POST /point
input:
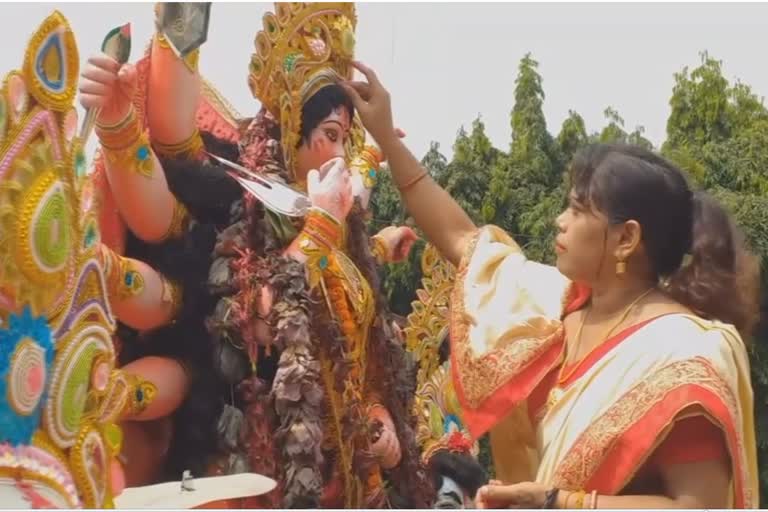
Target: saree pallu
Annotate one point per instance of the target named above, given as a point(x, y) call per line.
point(507, 335)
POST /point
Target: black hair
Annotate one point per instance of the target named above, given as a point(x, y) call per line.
point(320, 106)
point(627, 182)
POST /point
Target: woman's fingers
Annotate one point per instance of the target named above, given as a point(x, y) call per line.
point(503, 495)
point(357, 102)
point(363, 89)
point(370, 75)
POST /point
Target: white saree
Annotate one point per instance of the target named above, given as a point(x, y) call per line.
point(507, 335)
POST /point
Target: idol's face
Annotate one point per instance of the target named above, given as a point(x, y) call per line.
point(324, 143)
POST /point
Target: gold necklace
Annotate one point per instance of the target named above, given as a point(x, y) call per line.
point(556, 393)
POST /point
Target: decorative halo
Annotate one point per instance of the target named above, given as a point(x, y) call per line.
point(71, 380)
point(100, 374)
point(26, 354)
point(43, 467)
point(89, 459)
point(51, 64)
point(113, 403)
point(69, 125)
point(17, 96)
point(45, 237)
point(90, 234)
point(3, 116)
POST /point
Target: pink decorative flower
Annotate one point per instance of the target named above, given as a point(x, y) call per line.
point(317, 46)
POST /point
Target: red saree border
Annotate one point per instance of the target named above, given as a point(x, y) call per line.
point(614, 447)
point(490, 384)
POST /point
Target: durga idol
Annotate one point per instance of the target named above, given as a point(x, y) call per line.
point(265, 336)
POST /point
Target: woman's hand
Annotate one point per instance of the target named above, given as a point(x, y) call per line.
point(332, 192)
point(522, 495)
point(108, 86)
point(398, 241)
point(373, 104)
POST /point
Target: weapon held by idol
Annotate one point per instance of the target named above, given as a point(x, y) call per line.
point(117, 44)
point(276, 196)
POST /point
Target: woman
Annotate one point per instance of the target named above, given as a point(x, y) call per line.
point(620, 378)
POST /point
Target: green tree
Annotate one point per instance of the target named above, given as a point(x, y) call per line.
point(718, 133)
point(468, 174)
point(572, 136)
point(401, 280)
point(436, 163)
point(614, 132)
point(751, 214)
point(534, 165)
point(699, 105)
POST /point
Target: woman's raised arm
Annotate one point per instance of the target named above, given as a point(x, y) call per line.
point(445, 224)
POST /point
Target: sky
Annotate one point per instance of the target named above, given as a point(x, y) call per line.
point(445, 64)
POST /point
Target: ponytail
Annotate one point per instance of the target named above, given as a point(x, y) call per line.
point(719, 277)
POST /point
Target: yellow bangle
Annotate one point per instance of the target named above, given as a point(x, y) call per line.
point(191, 60)
point(171, 294)
point(120, 135)
point(580, 495)
point(131, 281)
point(141, 393)
point(122, 279)
point(367, 164)
point(130, 116)
point(323, 229)
point(179, 222)
point(136, 157)
point(190, 148)
point(379, 249)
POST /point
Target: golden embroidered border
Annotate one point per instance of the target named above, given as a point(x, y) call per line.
point(595, 443)
point(220, 104)
point(481, 376)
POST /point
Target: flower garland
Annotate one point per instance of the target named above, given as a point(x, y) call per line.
point(391, 375)
point(296, 391)
point(366, 469)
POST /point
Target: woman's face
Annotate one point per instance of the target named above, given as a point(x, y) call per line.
point(325, 142)
point(583, 241)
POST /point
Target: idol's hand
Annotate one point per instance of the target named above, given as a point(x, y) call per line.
point(387, 446)
point(359, 190)
point(398, 241)
point(523, 495)
point(332, 192)
point(373, 104)
point(109, 86)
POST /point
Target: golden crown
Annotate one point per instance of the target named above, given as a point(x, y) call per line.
point(302, 48)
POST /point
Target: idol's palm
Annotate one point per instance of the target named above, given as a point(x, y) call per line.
point(109, 87)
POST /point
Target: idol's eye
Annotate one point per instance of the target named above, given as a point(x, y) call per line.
point(332, 134)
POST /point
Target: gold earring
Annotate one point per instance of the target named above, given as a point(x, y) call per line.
point(621, 268)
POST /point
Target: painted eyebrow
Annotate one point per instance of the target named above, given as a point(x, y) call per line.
point(334, 122)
